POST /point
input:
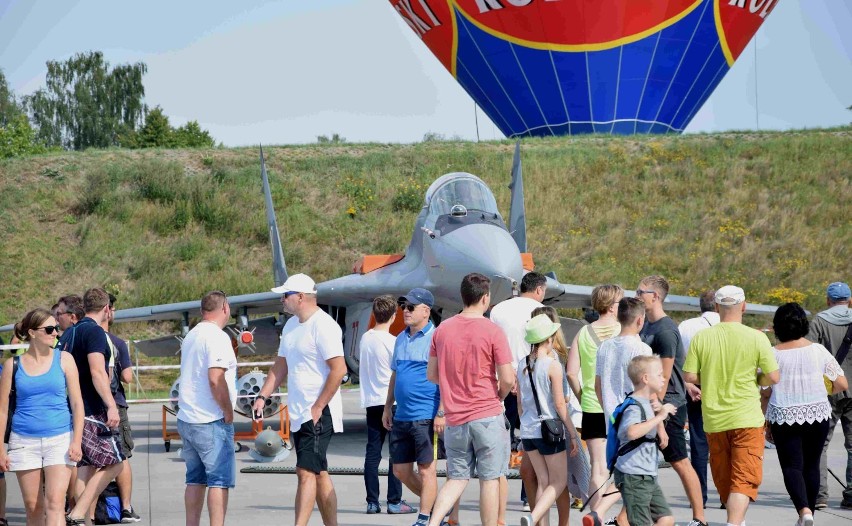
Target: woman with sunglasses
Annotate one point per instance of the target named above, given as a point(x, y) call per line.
point(44, 437)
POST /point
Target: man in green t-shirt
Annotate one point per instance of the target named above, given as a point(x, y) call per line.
point(730, 361)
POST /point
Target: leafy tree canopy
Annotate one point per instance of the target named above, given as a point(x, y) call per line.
point(86, 103)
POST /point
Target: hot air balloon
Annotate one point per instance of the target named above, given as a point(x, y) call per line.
point(557, 67)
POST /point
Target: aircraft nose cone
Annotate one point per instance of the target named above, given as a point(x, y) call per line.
point(489, 250)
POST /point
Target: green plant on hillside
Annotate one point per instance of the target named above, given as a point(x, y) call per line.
point(408, 197)
point(17, 139)
point(360, 191)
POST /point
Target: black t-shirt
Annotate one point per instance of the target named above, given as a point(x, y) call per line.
point(82, 339)
point(663, 338)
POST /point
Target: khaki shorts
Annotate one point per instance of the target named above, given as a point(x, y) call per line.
point(643, 499)
point(736, 461)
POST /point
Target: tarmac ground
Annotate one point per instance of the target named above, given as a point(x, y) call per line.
point(268, 499)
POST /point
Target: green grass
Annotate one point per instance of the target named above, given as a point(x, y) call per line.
point(766, 211)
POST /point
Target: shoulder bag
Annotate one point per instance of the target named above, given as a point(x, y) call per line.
point(552, 429)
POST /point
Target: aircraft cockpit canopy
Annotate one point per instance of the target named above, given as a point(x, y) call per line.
point(458, 194)
point(459, 199)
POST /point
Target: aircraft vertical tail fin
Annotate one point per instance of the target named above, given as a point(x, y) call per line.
point(517, 212)
point(279, 268)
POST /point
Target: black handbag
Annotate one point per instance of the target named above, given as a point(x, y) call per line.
point(552, 429)
point(13, 401)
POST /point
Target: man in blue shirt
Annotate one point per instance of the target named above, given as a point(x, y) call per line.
point(418, 414)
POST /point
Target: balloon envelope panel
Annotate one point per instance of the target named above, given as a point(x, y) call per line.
point(586, 66)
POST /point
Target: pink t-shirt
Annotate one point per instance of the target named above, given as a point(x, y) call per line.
point(468, 352)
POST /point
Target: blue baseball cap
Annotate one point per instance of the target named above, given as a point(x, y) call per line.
point(418, 296)
point(838, 291)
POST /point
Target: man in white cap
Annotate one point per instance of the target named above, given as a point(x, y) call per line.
point(729, 361)
point(312, 345)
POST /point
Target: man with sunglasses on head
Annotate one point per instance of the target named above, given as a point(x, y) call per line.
point(418, 413)
point(102, 457)
point(661, 334)
point(312, 349)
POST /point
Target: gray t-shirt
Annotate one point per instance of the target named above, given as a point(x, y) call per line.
point(642, 460)
point(663, 338)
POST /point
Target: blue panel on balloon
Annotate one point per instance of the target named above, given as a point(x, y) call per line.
point(553, 68)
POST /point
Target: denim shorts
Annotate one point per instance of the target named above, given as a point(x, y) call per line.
point(208, 450)
point(478, 447)
point(544, 448)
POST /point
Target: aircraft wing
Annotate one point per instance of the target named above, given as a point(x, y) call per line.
point(257, 303)
point(566, 295)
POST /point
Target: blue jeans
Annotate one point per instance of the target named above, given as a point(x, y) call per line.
point(208, 450)
point(698, 448)
point(376, 434)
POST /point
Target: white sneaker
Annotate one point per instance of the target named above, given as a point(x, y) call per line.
point(808, 520)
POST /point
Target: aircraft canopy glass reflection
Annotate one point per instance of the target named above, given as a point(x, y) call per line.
point(451, 190)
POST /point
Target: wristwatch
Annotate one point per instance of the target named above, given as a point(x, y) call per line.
point(439, 414)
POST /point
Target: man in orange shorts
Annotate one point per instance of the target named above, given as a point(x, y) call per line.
point(730, 361)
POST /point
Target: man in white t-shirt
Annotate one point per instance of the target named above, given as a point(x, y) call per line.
point(699, 450)
point(612, 384)
point(207, 394)
point(512, 316)
point(310, 358)
point(376, 354)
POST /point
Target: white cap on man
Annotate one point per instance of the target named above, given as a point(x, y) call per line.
point(297, 283)
point(730, 295)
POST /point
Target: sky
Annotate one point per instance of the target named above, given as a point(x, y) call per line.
point(287, 71)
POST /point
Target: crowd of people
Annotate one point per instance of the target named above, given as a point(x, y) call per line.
point(458, 391)
point(63, 407)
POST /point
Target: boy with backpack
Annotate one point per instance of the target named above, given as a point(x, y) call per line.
point(632, 450)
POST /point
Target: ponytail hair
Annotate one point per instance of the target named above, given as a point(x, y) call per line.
point(32, 320)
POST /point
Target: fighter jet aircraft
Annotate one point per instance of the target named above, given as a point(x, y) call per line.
point(459, 230)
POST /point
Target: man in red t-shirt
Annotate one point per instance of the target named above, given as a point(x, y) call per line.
point(471, 362)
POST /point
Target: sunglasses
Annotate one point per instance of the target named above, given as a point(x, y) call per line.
point(639, 292)
point(288, 294)
point(407, 306)
point(49, 329)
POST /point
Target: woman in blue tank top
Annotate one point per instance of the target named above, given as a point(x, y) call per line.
point(44, 436)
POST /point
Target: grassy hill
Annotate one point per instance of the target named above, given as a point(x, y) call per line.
point(767, 211)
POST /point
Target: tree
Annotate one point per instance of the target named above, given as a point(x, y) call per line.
point(86, 103)
point(18, 138)
point(10, 109)
point(190, 135)
point(157, 132)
